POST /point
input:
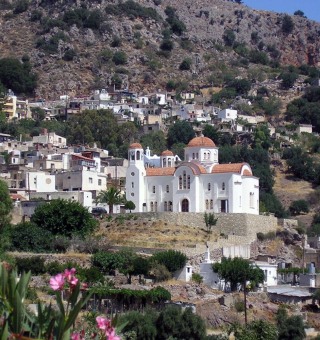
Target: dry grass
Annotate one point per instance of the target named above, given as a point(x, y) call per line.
point(151, 234)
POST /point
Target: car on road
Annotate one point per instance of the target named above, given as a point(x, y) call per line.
point(99, 211)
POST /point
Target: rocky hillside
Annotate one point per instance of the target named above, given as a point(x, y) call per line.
point(75, 46)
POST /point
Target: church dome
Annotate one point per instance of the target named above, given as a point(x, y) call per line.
point(135, 146)
point(167, 153)
point(201, 142)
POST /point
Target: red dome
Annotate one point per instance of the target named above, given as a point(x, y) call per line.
point(167, 153)
point(201, 141)
point(135, 146)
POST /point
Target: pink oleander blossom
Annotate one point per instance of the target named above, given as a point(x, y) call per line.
point(70, 277)
point(111, 335)
point(57, 282)
point(77, 336)
point(103, 323)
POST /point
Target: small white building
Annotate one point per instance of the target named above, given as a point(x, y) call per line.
point(184, 274)
point(40, 181)
point(227, 114)
point(52, 138)
point(270, 272)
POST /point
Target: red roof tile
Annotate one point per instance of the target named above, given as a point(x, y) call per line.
point(135, 146)
point(160, 171)
point(167, 153)
point(201, 141)
point(233, 167)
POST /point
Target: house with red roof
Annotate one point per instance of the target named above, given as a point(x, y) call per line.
point(198, 184)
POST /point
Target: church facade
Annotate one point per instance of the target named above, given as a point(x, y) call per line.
point(199, 184)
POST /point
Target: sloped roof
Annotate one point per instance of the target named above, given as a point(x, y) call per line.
point(160, 171)
point(167, 153)
point(232, 167)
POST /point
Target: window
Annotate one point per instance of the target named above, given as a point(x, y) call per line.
point(153, 189)
point(193, 156)
point(209, 186)
point(132, 156)
point(99, 182)
point(188, 182)
point(132, 185)
point(170, 206)
point(205, 155)
point(90, 180)
point(167, 188)
point(165, 206)
point(252, 200)
point(223, 186)
point(138, 155)
point(169, 162)
point(207, 204)
point(211, 204)
point(180, 182)
point(164, 163)
point(156, 206)
point(184, 179)
point(151, 206)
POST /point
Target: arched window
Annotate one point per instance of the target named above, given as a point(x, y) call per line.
point(169, 163)
point(211, 204)
point(155, 206)
point(207, 204)
point(223, 186)
point(151, 207)
point(132, 155)
point(193, 156)
point(184, 180)
point(205, 155)
point(164, 162)
point(170, 206)
point(138, 155)
point(188, 182)
point(180, 182)
point(185, 205)
point(165, 206)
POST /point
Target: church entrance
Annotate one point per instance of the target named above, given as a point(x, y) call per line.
point(185, 205)
point(223, 207)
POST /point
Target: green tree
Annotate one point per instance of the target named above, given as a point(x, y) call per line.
point(256, 330)
point(62, 217)
point(112, 197)
point(129, 205)
point(28, 237)
point(172, 259)
point(210, 220)
point(299, 13)
point(17, 76)
point(238, 271)
point(287, 25)
point(180, 132)
point(211, 132)
point(38, 114)
point(298, 207)
point(5, 209)
point(289, 327)
point(288, 79)
point(156, 141)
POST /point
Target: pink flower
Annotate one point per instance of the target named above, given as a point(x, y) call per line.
point(103, 323)
point(111, 335)
point(76, 336)
point(57, 282)
point(71, 279)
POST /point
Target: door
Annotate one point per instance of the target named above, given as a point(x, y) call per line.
point(185, 205)
point(223, 207)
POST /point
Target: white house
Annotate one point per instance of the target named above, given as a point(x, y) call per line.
point(228, 114)
point(40, 181)
point(46, 138)
point(270, 272)
point(198, 184)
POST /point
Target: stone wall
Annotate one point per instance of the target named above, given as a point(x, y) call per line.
point(227, 224)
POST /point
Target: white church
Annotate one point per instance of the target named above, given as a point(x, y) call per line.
point(199, 184)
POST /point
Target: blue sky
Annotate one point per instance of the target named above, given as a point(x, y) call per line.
point(311, 8)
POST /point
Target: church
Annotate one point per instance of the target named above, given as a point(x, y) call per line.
point(198, 184)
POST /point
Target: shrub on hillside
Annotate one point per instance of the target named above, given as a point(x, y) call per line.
point(34, 264)
point(172, 259)
point(28, 237)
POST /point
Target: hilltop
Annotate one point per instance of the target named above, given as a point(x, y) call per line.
point(72, 45)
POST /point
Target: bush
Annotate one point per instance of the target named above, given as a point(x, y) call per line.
point(105, 55)
point(197, 278)
point(229, 37)
point(186, 64)
point(36, 15)
point(34, 264)
point(258, 57)
point(66, 218)
point(239, 306)
point(21, 7)
point(172, 259)
point(287, 24)
point(298, 207)
point(166, 45)
point(120, 58)
point(69, 55)
point(116, 42)
point(26, 236)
